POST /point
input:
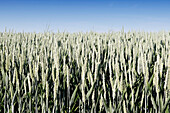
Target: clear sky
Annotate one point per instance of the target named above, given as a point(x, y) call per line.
point(84, 15)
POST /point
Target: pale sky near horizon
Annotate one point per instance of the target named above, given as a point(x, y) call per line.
point(84, 15)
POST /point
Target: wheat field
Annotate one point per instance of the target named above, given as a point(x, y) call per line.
point(114, 72)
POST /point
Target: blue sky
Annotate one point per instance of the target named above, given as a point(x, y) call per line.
point(84, 15)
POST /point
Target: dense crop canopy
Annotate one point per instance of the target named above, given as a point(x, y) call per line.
point(85, 72)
